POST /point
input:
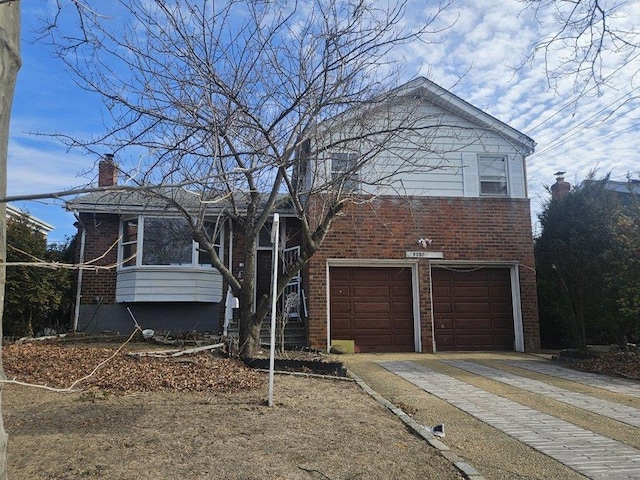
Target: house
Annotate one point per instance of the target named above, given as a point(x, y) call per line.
point(435, 257)
point(15, 214)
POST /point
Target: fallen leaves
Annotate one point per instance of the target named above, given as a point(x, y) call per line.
point(621, 363)
point(59, 365)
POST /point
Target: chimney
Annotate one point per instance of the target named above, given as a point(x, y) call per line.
point(107, 171)
point(560, 188)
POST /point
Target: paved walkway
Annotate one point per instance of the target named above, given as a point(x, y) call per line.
point(616, 411)
point(594, 456)
point(617, 385)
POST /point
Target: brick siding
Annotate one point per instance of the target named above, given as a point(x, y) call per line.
point(102, 233)
point(464, 229)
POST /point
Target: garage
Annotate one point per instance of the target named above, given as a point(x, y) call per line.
point(472, 309)
point(373, 307)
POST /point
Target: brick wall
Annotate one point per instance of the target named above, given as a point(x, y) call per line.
point(464, 229)
point(102, 232)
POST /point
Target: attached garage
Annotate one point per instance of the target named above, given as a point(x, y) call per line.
point(373, 306)
point(472, 309)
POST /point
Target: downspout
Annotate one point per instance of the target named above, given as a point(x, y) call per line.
point(83, 238)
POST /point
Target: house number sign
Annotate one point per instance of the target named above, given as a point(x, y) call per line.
point(422, 254)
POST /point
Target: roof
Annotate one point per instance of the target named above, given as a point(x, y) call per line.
point(34, 222)
point(631, 187)
point(443, 98)
point(422, 88)
point(161, 201)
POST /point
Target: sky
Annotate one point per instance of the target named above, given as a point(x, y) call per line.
point(477, 58)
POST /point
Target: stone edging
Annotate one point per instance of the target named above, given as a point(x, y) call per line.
point(467, 470)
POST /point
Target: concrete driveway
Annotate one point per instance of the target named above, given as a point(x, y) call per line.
point(514, 415)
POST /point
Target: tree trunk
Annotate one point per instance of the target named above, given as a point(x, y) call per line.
point(249, 327)
point(9, 66)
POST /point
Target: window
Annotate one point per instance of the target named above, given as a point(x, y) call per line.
point(493, 175)
point(264, 238)
point(344, 172)
point(129, 242)
point(163, 241)
point(203, 256)
point(166, 241)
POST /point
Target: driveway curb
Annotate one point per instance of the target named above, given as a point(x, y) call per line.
point(465, 468)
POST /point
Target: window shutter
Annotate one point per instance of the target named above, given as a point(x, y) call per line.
point(470, 175)
point(517, 180)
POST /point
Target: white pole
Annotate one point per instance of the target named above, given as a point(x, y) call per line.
point(76, 311)
point(275, 238)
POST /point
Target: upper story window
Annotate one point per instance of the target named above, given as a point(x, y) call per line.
point(493, 174)
point(344, 171)
point(162, 241)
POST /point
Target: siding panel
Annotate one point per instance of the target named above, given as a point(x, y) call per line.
point(168, 285)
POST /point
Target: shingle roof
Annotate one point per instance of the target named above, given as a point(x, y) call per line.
point(163, 200)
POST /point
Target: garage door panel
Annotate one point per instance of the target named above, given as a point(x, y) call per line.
point(369, 275)
point(471, 340)
point(340, 307)
point(371, 308)
point(473, 324)
point(340, 291)
point(501, 290)
point(371, 291)
point(444, 324)
point(442, 307)
point(472, 309)
point(463, 291)
point(440, 291)
point(371, 324)
point(504, 309)
point(402, 308)
point(401, 290)
point(403, 323)
point(370, 339)
point(380, 307)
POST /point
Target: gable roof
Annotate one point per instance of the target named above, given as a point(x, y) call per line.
point(423, 88)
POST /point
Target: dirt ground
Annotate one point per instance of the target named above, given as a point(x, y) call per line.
point(317, 429)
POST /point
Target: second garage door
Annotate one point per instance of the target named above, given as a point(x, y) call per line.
point(373, 307)
point(472, 309)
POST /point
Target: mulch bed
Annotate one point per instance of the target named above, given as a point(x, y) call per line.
point(59, 365)
point(625, 364)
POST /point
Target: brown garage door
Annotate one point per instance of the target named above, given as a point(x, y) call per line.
point(373, 307)
point(472, 309)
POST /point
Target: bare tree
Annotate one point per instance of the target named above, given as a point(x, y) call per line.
point(9, 66)
point(590, 40)
point(231, 100)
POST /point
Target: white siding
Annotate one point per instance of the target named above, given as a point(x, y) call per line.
point(158, 284)
point(517, 180)
point(470, 174)
point(435, 157)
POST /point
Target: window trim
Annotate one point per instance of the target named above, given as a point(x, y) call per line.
point(350, 183)
point(507, 189)
point(195, 249)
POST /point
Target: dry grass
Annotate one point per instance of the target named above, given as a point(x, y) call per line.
point(318, 429)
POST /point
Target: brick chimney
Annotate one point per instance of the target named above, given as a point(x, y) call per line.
point(107, 171)
point(560, 188)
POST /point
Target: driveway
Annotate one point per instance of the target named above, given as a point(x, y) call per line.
point(513, 415)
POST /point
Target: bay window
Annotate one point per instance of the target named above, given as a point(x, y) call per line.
point(163, 241)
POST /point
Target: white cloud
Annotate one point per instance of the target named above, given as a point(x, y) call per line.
point(477, 58)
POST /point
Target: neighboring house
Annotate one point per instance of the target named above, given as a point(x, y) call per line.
point(439, 257)
point(14, 214)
